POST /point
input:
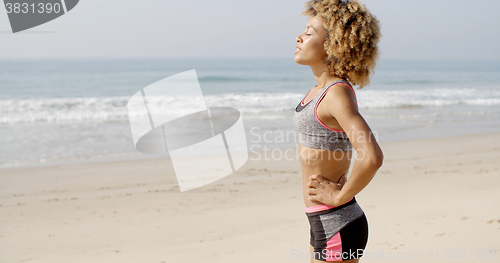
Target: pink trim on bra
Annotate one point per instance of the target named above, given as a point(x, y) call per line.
point(302, 101)
point(323, 95)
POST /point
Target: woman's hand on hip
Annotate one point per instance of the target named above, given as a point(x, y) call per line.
point(325, 191)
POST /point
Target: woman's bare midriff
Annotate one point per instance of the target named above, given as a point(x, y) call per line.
point(329, 164)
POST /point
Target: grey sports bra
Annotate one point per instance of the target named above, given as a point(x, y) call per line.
point(315, 134)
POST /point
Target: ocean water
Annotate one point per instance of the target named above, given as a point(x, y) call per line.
point(56, 111)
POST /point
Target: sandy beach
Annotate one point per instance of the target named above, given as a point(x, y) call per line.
point(433, 200)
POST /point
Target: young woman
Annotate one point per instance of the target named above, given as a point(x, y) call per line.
point(340, 45)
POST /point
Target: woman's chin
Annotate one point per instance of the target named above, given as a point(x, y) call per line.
point(298, 60)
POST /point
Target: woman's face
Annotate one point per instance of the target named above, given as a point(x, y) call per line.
point(310, 49)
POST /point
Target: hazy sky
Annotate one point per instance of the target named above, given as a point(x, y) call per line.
point(412, 29)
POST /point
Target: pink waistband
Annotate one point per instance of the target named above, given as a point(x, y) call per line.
point(322, 207)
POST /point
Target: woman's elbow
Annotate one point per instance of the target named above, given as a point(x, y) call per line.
point(376, 160)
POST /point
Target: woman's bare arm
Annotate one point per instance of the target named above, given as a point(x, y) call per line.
point(341, 105)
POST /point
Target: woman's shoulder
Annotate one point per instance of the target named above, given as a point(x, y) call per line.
point(341, 94)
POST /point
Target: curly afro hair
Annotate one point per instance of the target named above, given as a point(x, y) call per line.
point(351, 43)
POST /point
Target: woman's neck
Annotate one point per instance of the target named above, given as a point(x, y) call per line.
point(323, 78)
